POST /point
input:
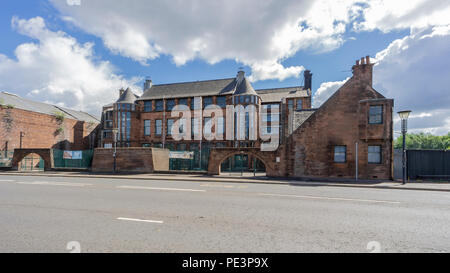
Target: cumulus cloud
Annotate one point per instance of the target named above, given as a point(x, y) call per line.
point(260, 34)
point(413, 71)
point(325, 91)
point(57, 69)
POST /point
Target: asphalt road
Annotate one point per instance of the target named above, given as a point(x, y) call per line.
point(45, 214)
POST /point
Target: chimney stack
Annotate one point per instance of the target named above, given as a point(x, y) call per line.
point(148, 83)
point(363, 70)
point(240, 76)
point(121, 91)
point(308, 79)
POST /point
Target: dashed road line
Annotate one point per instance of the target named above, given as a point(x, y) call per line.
point(42, 183)
point(157, 189)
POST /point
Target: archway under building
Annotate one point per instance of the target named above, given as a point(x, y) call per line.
point(241, 160)
point(42, 157)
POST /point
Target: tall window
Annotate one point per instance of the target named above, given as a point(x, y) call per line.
point(148, 106)
point(158, 126)
point(208, 126)
point(207, 101)
point(159, 106)
point(374, 154)
point(169, 126)
point(195, 126)
point(170, 104)
point(299, 104)
point(221, 102)
point(291, 105)
point(376, 114)
point(147, 128)
point(340, 154)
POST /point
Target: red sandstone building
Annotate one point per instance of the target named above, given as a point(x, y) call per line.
point(27, 124)
point(349, 136)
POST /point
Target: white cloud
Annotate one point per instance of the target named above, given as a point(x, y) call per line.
point(260, 34)
point(413, 71)
point(325, 91)
point(59, 70)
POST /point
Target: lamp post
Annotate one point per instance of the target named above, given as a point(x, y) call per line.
point(404, 115)
point(115, 136)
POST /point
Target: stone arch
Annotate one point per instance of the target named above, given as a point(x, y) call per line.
point(45, 154)
point(219, 155)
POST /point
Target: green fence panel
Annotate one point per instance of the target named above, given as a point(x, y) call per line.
point(84, 163)
point(6, 158)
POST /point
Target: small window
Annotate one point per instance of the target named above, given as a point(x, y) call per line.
point(374, 154)
point(207, 102)
point(146, 145)
point(158, 127)
point(159, 106)
point(299, 104)
point(170, 104)
point(148, 106)
point(340, 154)
point(222, 102)
point(169, 126)
point(147, 130)
point(376, 114)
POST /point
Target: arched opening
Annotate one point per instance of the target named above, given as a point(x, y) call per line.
point(32, 163)
point(245, 164)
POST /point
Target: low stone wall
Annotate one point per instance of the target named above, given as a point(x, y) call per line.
point(131, 160)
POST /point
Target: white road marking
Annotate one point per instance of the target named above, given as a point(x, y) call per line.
point(330, 198)
point(3, 180)
point(55, 184)
point(140, 220)
point(157, 189)
point(223, 186)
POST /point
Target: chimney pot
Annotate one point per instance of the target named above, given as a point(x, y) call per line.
point(367, 59)
point(363, 61)
point(357, 62)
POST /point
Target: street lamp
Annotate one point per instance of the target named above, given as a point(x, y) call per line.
point(404, 115)
point(115, 137)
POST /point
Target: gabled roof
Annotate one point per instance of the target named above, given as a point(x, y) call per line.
point(277, 94)
point(43, 108)
point(127, 97)
point(190, 89)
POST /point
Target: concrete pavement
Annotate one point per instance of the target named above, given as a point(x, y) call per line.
point(44, 214)
point(248, 178)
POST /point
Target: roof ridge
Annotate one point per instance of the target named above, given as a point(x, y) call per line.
point(288, 87)
point(193, 82)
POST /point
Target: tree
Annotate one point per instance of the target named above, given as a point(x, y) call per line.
point(424, 142)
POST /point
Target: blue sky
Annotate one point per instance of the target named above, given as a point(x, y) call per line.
point(46, 43)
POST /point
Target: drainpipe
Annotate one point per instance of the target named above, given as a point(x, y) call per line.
point(357, 162)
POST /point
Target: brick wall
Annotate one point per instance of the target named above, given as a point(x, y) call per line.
point(43, 131)
point(137, 160)
point(343, 121)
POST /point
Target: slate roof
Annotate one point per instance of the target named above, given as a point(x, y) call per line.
point(44, 108)
point(190, 89)
point(277, 94)
point(127, 97)
point(245, 88)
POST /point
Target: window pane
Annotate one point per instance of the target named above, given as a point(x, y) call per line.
point(159, 127)
point(147, 127)
point(376, 114)
point(299, 104)
point(148, 106)
point(340, 154)
point(170, 105)
point(159, 105)
point(222, 102)
point(207, 101)
point(374, 154)
point(169, 126)
point(183, 102)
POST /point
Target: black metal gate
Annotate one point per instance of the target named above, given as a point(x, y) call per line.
point(428, 164)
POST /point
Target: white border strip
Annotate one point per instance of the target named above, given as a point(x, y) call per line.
point(157, 189)
point(329, 198)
